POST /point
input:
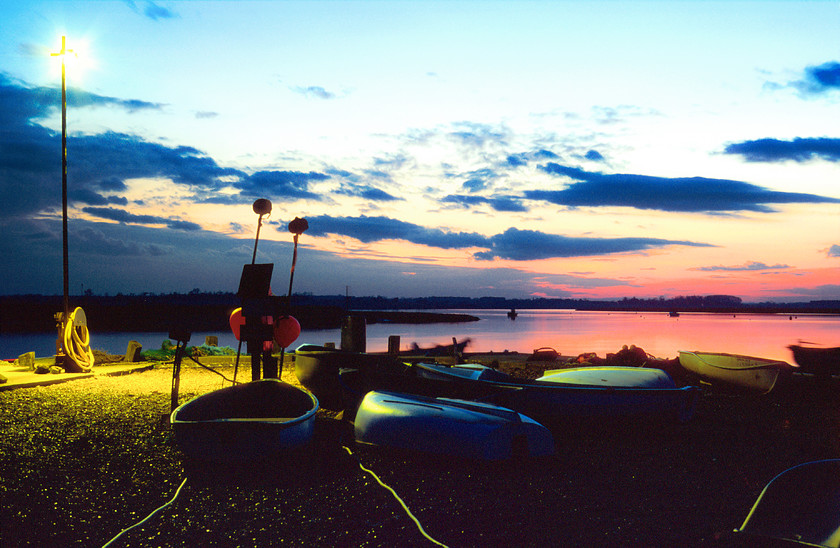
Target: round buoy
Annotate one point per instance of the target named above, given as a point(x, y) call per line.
point(286, 331)
point(236, 322)
point(262, 206)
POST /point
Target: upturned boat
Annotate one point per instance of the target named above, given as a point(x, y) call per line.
point(246, 421)
point(547, 400)
point(449, 427)
point(745, 372)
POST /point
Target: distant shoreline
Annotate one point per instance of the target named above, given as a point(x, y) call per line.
point(210, 311)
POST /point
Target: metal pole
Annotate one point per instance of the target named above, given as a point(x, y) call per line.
point(256, 240)
point(64, 181)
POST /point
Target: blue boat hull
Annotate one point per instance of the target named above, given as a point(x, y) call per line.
point(449, 427)
point(254, 420)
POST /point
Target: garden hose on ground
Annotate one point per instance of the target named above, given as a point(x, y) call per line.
point(76, 340)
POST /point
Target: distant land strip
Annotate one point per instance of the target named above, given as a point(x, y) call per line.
point(198, 311)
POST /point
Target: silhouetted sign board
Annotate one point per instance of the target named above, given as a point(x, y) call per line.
point(255, 281)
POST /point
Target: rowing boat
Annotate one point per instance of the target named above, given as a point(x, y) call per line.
point(246, 421)
point(546, 400)
point(449, 427)
point(745, 372)
point(817, 360)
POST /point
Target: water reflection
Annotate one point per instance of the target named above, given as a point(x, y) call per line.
point(567, 331)
point(574, 332)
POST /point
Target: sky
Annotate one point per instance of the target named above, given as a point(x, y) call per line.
point(569, 149)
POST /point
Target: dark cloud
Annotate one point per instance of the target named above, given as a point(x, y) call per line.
point(315, 91)
point(374, 229)
point(751, 266)
point(30, 166)
point(367, 192)
point(683, 194)
point(88, 196)
point(205, 114)
point(834, 251)
point(528, 245)
point(280, 184)
point(94, 242)
point(499, 203)
point(820, 79)
point(124, 216)
point(798, 149)
point(513, 244)
point(479, 179)
point(151, 10)
point(476, 135)
point(594, 155)
point(523, 158)
point(516, 160)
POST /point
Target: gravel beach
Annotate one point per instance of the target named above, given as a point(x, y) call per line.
point(83, 460)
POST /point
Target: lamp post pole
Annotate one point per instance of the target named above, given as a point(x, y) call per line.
point(61, 54)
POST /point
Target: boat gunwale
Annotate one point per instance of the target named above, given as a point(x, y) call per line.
point(764, 363)
point(525, 384)
point(273, 421)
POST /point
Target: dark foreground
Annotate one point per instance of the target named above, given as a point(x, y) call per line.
point(81, 461)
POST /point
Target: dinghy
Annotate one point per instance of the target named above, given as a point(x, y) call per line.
point(547, 400)
point(449, 427)
point(254, 420)
point(746, 372)
point(816, 360)
point(630, 377)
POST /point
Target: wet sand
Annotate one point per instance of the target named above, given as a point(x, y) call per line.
point(83, 460)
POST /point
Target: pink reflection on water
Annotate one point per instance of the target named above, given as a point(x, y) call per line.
point(572, 333)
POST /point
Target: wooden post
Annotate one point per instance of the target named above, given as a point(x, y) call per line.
point(394, 345)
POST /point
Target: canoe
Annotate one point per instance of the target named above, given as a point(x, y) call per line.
point(638, 377)
point(247, 421)
point(449, 427)
point(745, 372)
point(546, 401)
point(817, 360)
point(799, 507)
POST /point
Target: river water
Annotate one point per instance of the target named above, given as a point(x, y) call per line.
point(567, 331)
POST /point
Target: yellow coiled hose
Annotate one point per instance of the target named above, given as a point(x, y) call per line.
point(77, 340)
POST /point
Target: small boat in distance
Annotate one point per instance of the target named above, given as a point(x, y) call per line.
point(254, 420)
point(674, 314)
point(512, 314)
point(746, 372)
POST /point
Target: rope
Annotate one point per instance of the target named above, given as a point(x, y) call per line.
point(212, 370)
point(396, 496)
point(142, 521)
point(77, 341)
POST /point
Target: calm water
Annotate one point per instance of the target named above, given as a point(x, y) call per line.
point(568, 332)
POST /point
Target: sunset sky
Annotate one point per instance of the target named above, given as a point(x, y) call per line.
point(472, 148)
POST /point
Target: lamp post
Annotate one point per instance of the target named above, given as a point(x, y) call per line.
point(64, 51)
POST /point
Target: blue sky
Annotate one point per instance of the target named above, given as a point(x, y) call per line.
point(514, 149)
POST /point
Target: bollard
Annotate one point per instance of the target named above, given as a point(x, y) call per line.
point(132, 353)
point(393, 345)
point(353, 334)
